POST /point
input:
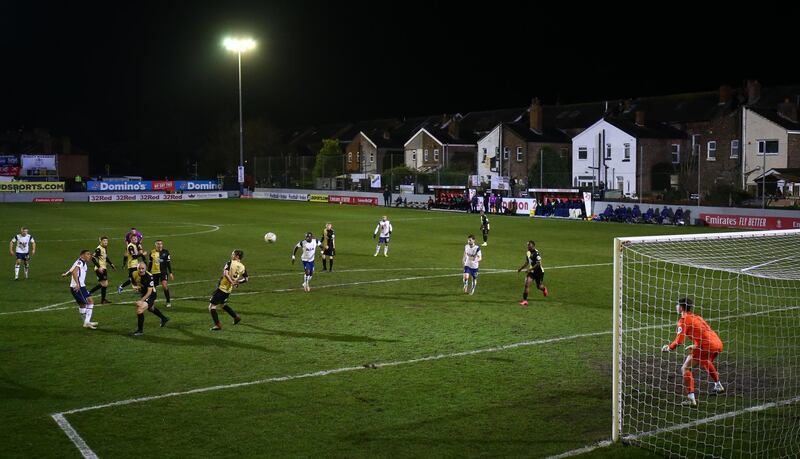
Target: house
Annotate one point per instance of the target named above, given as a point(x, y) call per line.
point(370, 145)
point(438, 145)
point(628, 156)
point(771, 140)
point(512, 148)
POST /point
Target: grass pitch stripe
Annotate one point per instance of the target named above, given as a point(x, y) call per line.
point(55, 306)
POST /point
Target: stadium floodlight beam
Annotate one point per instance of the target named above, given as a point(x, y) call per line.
point(239, 46)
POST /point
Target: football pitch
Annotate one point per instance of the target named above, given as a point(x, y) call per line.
point(385, 357)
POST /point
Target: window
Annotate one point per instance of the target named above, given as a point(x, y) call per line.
point(583, 153)
point(608, 151)
point(425, 156)
point(675, 149)
point(484, 155)
point(734, 149)
point(627, 152)
point(436, 154)
point(372, 157)
point(350, 157)
point(768, 147)
point(358, 157)
point(674, 181)
point(519, 154)
point(414, 155)
point(506, 152)
point(711, 150)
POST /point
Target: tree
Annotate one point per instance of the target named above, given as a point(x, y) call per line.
point(553, 171)
point(329, 159)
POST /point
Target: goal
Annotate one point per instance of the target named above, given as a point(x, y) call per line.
point(746, 285)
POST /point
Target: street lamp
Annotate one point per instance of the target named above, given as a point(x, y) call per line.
point(239, 46)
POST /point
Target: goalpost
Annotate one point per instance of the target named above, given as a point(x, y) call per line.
point(746, 285)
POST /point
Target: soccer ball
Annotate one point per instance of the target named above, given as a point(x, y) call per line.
point(270, 237)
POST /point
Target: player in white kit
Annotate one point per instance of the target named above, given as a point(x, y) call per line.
point(309, 245)
point(77, 286)
point(472, 258)
point(23, 246)
point(385, 229)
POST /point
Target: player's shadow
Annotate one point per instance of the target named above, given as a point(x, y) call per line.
point(14, 390)
point(155, 335)
point(322, 336)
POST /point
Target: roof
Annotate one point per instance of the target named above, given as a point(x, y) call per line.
point(548, 135)
point(773, 115)
point(788, 174)
point(475, 125)
point(649, 130)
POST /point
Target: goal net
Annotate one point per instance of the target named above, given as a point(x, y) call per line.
point(747, 287)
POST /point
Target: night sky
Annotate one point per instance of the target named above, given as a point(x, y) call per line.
point(151, 79)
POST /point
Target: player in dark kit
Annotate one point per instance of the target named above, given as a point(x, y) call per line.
point(485, 228)
point(233, 275)
point(143, 283)
point(161, 268)
point(101, 264)
point(533, 261)
point(328, 246)
point(133, 253)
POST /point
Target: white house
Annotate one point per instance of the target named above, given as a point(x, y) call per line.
point(608, 152)
point(488, 155)
point(771, 141)
point(605, 153)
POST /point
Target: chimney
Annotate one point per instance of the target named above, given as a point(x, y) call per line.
point(753, 91)
point(444, 118)
point(454, 128)
point(639, 117)
point(536, 115)
point(788, 110)
point(725, 94)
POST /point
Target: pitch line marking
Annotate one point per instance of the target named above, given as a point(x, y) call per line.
point(55, 306)
point(89, 454)
point(685, 425)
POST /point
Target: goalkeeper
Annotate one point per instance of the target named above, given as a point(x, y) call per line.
point(704, 350)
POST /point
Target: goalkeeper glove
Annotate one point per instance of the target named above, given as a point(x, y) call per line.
point(665, 348)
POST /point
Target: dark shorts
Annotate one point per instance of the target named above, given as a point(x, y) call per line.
point(383, 240)
point(23, 256)
point(82, 296)
point(151, 300)
point(219, 297)
point(101, 275)
point(330, 252)
point(308, 266)
point(157, 278)
point(471, 271)
point(537, 276)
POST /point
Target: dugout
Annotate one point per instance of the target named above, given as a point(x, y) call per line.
point(454, 197)
point(558, 202)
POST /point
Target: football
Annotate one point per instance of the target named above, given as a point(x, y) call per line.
point(270, 237)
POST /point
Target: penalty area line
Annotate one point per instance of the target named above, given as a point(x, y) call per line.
point(88, 453)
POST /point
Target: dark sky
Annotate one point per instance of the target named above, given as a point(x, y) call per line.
point(139, 75)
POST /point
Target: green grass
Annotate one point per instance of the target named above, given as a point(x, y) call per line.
point(529, 401)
